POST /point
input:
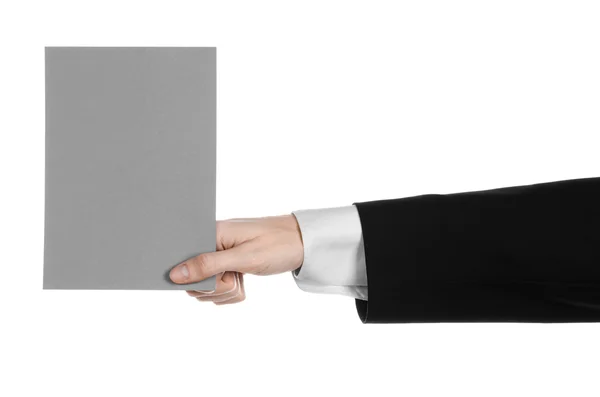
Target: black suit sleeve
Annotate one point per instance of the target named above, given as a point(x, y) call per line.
point(518, 254)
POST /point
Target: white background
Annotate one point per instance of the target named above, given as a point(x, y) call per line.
point(320, 103)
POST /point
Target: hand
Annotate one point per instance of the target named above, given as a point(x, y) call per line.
point(259, 246)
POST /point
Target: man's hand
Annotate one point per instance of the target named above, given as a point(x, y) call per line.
point(260, 246)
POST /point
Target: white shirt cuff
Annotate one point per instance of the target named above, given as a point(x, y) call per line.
point(334, 255)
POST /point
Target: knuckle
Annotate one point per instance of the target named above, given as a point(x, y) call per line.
point(233, 298)
point(221, 225)
point(202, 264)
point(220, 229)
point(240, 296)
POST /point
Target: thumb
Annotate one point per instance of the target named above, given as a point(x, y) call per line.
point(211, 263)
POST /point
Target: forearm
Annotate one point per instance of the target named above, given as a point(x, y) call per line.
point(529, 253)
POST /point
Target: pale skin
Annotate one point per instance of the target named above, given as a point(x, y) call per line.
point(259, 246)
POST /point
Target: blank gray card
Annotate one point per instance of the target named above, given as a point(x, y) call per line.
point(130, 165)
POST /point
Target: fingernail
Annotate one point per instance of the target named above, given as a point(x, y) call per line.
point(180, 273)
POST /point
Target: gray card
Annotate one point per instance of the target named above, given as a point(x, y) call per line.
point(130, 165)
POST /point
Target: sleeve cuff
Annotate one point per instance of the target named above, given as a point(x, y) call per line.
point(334, 259)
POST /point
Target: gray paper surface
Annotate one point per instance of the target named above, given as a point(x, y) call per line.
point(130, 165)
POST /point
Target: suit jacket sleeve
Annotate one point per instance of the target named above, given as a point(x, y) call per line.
point(518, 254)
